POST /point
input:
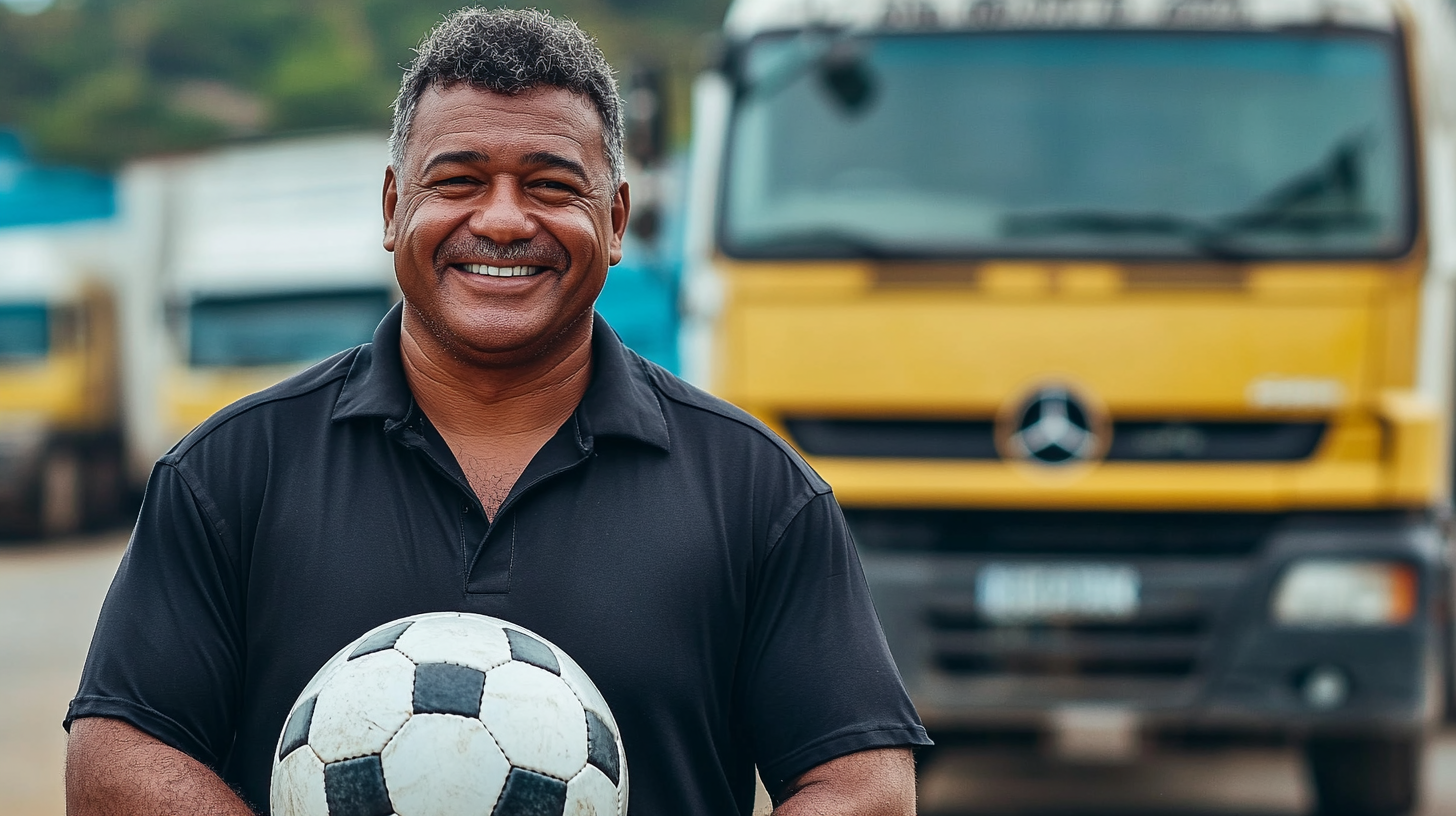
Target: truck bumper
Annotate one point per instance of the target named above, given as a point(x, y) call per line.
point(1200, 654)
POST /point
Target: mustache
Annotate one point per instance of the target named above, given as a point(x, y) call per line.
point(543, 250)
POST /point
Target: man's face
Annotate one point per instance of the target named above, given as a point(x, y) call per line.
point(503, 218)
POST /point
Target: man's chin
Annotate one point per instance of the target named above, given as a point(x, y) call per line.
point(505, 343)
point(491, 334)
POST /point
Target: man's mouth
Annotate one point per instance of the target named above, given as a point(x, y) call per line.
point(502, 271)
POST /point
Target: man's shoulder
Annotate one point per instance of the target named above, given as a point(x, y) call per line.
point(719, 422)
point(273, 407)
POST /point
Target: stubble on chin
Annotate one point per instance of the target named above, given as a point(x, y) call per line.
point(455, 344)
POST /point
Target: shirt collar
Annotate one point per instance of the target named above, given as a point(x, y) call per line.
point(619, 402)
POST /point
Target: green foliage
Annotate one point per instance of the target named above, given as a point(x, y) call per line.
point(95, 82)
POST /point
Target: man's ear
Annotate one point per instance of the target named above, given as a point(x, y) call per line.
point(621, 208)
point(391, 200)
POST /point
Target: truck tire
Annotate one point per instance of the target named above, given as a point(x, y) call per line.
point(60, 506)
point(102, 487)
point(1373, 775)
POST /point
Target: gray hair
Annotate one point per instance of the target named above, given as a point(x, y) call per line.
point(509, 51)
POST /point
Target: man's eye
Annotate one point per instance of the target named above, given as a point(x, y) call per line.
point(454, 180)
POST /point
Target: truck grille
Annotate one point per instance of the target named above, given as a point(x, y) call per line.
point(1132, 441)
point(1164, 648)
point(923, 567)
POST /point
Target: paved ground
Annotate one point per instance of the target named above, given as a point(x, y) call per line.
point(49, 597)
point(1267, 782)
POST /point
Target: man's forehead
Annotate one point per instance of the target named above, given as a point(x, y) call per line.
point(461, 116)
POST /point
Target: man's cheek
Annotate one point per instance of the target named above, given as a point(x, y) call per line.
point(426, 233)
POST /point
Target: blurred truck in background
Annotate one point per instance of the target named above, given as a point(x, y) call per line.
point(243, 265)
point(60, 420)
point(128, 318)
point(1122, 330)
point(60, 417)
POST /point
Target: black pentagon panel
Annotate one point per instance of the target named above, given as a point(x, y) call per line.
point(295, 734)
point(444, 688)
point(601, 747)
point(528, 793)
point(355, 787)
point(530, 650)
point(381, 640)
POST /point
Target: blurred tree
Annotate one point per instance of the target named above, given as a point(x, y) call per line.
point(95, 82)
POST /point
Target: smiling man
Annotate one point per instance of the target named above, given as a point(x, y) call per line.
point(497, 450)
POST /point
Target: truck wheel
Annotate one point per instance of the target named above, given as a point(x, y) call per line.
point(60, 494)
point(1366, 776)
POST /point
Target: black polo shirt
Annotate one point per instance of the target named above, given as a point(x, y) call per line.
point(685, 556)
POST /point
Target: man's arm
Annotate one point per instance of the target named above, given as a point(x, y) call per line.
point(112, 769)
point(878, 782)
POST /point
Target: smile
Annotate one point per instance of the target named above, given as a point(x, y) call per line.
point(502, 271)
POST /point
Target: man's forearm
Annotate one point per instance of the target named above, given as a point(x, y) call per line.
point(878, 782)
point(112, 769)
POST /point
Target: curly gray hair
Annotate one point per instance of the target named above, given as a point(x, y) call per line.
point(510, 51)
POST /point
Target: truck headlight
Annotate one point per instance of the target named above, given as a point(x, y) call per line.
point(1345, 593)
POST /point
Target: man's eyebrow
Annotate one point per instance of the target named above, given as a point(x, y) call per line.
point(457, 157)
point(544, 158)
point(540, 158)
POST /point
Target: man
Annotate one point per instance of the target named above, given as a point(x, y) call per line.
point(497, 450)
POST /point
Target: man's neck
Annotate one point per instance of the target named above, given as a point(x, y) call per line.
point(495, 417)
point(522, 396)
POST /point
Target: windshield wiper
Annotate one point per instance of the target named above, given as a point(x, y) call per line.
point(1206, 238)
point(830, 243)
point(1102, 222)
point(1321, 199)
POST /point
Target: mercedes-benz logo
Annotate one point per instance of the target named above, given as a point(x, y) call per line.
point(1054, 427)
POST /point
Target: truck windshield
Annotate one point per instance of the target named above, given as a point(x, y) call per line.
point(25, 331)
point(281, 329)
point(1103, 144)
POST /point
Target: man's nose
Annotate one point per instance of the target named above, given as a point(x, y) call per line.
point(502, 214)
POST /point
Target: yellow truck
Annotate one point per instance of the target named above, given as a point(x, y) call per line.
point(60, 419)
point(1122, 330)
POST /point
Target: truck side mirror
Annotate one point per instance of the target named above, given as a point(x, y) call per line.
point(646, 146)
point(646, 124)
point(844, 74)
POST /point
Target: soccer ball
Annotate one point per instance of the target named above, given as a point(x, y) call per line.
point(448, 714)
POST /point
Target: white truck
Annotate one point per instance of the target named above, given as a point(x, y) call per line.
point(243, 265)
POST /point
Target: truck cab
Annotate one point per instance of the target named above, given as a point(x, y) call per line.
point(1122, 331)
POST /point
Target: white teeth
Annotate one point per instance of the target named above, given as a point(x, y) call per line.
point(502, 271)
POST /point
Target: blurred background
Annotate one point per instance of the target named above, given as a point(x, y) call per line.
point(1123, 330)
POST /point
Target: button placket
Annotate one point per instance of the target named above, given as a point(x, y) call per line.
point(488, 572)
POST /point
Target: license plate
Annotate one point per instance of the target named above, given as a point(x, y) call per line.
point(1010, 592)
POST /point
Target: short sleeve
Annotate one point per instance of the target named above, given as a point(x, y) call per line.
point(820, 681)
point(167, 652)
